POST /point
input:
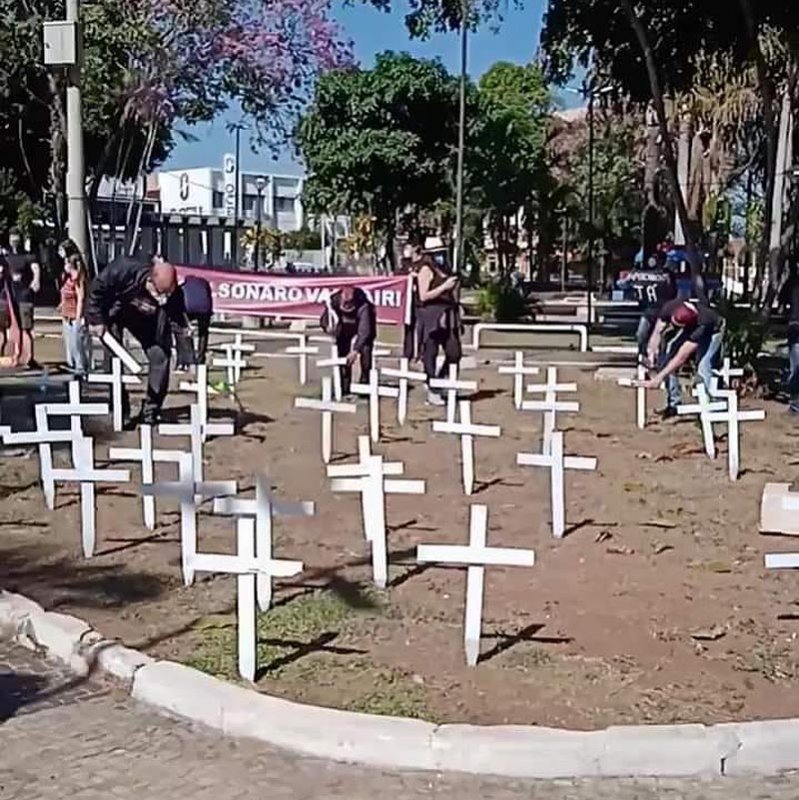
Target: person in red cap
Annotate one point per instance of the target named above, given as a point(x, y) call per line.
point(695, 331)
point(350, 319)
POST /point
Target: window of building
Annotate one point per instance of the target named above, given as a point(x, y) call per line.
point(218, 200)
point(285, 204)
point(248, 202)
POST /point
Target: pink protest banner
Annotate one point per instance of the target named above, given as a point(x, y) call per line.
point(295, 296)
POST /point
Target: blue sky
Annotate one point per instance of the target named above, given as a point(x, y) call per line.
point(372, 32)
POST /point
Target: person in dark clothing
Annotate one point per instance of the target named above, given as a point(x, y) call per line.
point(653, 287)
point(789, 299)
point(24, 274)
point(438, 318)
point(697, 330)
point(140, 296)
point(199, 304)
point(410, 339)
point(351, 320)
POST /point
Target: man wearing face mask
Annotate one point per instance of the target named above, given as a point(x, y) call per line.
point(140, 296)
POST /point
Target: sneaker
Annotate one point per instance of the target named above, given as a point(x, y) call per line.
point(434, 399)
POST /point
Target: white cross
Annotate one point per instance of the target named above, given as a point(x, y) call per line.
point(550, 405)
point(733, 417)
point(198, 434)
point(202, 390)
point(334, 364)
point(369, 478)
point(453, 386)
point(727, 373)
point(262, 509)
point(233, 360)
point(403, 374)
point(467, 432)
point(704, 408)
point(302, 350)
point(85, 473)
point(518, 370)
point(556, 462)
point(249, 566)
point(476, 556)
point(121, 353)
point(188, 491)
point(640, 395)
point(379, 352)
point(374, 391)
point(147, 457)
point(75, 410)
point(328, 408)
point(785, 560)
point(116, 380)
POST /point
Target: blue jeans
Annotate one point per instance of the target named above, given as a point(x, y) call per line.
point(793, 378)
point(706, 357)
point(76, 346)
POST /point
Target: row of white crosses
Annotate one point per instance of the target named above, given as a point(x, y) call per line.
point(233, 360)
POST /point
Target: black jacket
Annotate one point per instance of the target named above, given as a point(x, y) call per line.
point(120, 288)
point(360, 321)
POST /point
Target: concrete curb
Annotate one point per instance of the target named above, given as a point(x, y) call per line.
point(514, 751)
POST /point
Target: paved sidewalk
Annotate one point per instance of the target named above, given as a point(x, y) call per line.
point(86, 740)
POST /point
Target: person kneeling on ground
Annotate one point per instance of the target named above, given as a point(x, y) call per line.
point(350, 319)
point(698, 331)
point(140, 295)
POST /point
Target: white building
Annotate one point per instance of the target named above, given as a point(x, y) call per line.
point(209, 192)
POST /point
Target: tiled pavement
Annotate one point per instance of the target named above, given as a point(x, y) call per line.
point(86, 740)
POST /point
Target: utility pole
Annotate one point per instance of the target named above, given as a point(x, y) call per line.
point(459, 254)
point(590, 276)
point(76, 173)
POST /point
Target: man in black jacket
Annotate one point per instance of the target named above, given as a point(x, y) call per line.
point(198, 302)
point(140, 296)
point(351, 321)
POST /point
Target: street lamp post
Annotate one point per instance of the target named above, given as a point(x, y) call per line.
point(260, 185)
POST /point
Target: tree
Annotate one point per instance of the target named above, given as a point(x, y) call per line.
point(150, 66)
point(378, 142)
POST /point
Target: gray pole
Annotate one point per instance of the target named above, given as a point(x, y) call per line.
point(459, 260)
point(590, 204)
point(76, 177)
point(237, 213)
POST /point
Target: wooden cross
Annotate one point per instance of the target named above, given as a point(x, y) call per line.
point(328, 408)
point(334, 364)
point(452, 386)
point(640, 395)
point(550, 405)
point(374, 391)
point(233, 361)
point(116, 380)
point(302, 350)
point(403, 374)
point(557, 463)
point(704, 408)
point(84, 472)
point(147, 457)
point(476, 556)
point(518, 370)
point(202, 390)
point(118, 350)
point(785, 560)
point(250, 566)
point(726, 373)
point(198, 434)
point(189, 492)
point(262, 509)
point(467, 431)
point(733, 417)
point(369, 479)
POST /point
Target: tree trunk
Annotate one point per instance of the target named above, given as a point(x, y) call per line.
point(694, 259)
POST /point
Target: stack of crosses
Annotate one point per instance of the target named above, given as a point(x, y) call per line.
point(467, 431)
point(334, 363)
point(519, 372)
point(370, 478)
point(328, 407)
point(233, 360)
point(550, 405)
point(202, 390)
point(476, 556)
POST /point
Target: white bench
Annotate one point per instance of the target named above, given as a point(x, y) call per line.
point(580, 328)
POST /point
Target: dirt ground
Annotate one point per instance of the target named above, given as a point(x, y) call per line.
point(655, 608)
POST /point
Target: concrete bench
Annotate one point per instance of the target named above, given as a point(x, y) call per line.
point(579, 328)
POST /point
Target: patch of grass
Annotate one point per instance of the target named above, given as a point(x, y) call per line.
point(306, 625)
point(392, 693)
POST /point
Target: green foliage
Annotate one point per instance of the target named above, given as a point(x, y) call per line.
point(301, 240)
point(501, 302)
point(744, 336)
